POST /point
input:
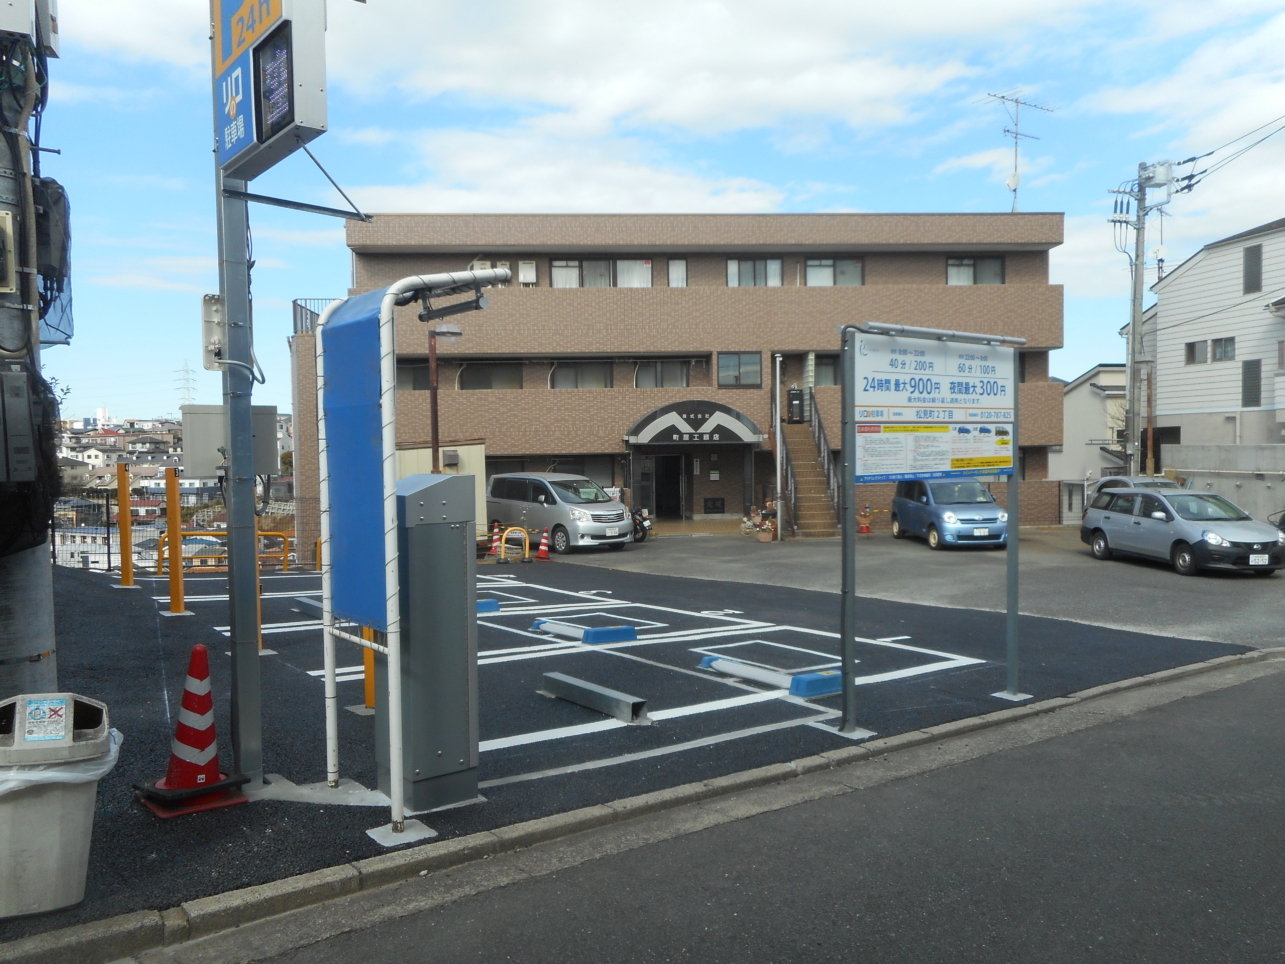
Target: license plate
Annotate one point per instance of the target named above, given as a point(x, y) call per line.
point(613, 531)
point(1263, 560)
point(981, 532)
point(646, 523)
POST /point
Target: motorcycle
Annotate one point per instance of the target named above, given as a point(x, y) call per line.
point(642, 523)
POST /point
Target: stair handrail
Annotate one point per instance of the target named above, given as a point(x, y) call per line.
point(791, 500)
point(824, 452)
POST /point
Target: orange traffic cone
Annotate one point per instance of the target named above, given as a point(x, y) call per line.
point(544, 545)
point(193, 782)
point(495, 541)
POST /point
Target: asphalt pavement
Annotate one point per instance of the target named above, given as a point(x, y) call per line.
point(1153, 838)
point(921, 665)
point(1059, 579)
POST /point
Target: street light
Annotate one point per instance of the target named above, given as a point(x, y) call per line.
point(447, 334)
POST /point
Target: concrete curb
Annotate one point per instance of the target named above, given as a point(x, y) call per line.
point(99, 942)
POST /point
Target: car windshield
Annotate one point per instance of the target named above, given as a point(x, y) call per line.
point(959, 493)
point(1207, 508)
point(580, 490)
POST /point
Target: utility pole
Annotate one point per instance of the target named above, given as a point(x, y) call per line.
point(1149, 176)
point(1015, 105)
point(28, 659)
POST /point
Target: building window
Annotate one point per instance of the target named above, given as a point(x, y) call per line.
point(580, 375)
point(661, 374)
point(414, 376)
point(1197, 352)
point(831, 272)
point(1251, 383)
point(760, 273)
point(1252, 269)
point(595, 274)
point(494, 376)
point(566, 274)
point(678, 272)
point(633, 274)
point(1224, 349)
point(827, 371)
point(974, 271)
point(740, 370)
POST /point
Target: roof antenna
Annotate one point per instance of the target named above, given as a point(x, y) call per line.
point(1014, 106)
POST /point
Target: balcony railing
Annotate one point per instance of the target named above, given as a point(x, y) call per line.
point(306, 313)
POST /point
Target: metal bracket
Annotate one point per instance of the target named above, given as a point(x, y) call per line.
point(477, 304)
point(294, 205)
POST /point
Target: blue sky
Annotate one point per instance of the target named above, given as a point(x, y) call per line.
point(700, 105)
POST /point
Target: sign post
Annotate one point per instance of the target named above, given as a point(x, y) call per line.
point(268, 77)
point(926, 403)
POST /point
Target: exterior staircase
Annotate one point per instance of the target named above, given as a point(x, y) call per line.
point(817, 516)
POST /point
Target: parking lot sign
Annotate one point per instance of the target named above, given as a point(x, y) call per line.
point(931, 409)
point(269, 81)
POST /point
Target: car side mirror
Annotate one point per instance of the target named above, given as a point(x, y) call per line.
point(923, 499)
point(1162, 516)
point(540, 498)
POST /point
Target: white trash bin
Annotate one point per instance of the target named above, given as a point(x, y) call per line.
point(54, 748)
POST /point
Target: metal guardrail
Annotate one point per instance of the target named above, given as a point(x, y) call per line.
point(824, 452)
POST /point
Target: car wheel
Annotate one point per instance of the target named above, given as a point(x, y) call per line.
point(560, 541)
point(1184, 560)
point(640, 533)
point(1101, 548)
point(897, 531)
point(616, 546)
point(934, 538)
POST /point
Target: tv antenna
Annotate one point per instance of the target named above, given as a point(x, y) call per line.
point(1014, 106)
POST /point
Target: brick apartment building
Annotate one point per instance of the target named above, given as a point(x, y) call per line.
point(638, 349)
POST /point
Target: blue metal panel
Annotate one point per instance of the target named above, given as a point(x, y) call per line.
point(355, 455)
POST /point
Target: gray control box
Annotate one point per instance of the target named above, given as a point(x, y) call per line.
point(438, 571)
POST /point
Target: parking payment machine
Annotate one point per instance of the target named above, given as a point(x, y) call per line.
point(438, 567)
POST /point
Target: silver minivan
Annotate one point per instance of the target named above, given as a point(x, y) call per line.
point(1190, 530)
point(575, 510)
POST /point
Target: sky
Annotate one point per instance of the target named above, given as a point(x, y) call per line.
point(577, 106)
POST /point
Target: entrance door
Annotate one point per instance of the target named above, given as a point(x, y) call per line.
point(669, 486)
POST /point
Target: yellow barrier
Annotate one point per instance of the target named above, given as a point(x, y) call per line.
point(162, 553)
point(504, 545)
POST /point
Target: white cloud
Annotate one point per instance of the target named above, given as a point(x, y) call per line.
point(144, 282)
point(174, 32)
point(526, 170)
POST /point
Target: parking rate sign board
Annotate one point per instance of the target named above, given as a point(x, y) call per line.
point(269, 80)
point(931, 409)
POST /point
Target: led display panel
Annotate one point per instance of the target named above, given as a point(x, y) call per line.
point(274, 84)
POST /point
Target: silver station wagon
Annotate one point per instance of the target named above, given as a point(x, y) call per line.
point(1190, 530)
point(575, 510)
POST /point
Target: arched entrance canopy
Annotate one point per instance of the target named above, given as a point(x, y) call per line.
point(692, 422)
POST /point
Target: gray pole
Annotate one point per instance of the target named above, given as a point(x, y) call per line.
point(1133, 423)
point(239, 488)
point(848, 534)
point(1014, 533)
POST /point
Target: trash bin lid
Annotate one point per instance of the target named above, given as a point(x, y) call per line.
point(52, 728)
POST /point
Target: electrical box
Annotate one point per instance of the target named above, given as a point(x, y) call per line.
point(269, 81)
point(47, 22)
point(438, 568)
point(205, 431)
point(18, 16)
point(526, 272)
point(19, 430)
point(213, 333)
point(8, 255)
